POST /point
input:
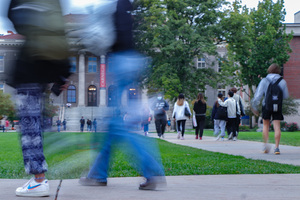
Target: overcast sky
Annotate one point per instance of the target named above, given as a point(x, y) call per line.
point(76, 6)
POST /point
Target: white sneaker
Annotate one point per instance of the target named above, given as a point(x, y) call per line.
point(218, 137)
point(230, 136)
point(163, 136)
point(182, 138)
point(34, 189)
point(178, 134)
point(234, 139)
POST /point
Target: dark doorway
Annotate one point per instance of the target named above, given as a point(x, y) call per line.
point(92, 96)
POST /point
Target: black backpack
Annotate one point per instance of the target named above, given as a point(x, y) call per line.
point(274, 97)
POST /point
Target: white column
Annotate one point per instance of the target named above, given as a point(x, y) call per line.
point(102, 84)
point(81, 86)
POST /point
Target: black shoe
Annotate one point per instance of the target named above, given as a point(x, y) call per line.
point(91, 182)
point(152, 183)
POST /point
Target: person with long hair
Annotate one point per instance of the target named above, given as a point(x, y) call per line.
point(200, 111)
point(179, 113)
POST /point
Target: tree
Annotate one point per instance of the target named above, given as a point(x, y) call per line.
point(7, 107)
point(174, 33)
point(256, 39)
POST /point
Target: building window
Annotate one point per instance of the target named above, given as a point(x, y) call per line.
point(73, 63)
point(1, 63)
point(92, 95)
point(201, 63)
point(92, 64)
point(71, 94)
point(1, 88)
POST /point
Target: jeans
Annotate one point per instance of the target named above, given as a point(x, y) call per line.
point(29, 102)
point(81, 127)
point(124, 67)
point(219, 124)
point(58, 128)
point(146, 127)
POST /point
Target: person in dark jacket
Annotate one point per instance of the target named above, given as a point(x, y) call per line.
point(219, 119)
point(42, 59)
point(200, 111)
point(160, 106)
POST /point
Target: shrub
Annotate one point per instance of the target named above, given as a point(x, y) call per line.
point(244, 128)
point(292, 127)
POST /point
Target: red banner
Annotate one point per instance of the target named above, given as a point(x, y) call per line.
point(102, 75)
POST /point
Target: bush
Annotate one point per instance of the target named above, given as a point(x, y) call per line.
point(292, 127)
point(244, 128)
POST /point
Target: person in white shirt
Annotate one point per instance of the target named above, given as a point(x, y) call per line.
point(180, 115)
point(233, 110)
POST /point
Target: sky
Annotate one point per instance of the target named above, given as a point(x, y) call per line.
point(76, 6)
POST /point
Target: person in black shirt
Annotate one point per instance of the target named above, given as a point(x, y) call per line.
point(200, 111)
point(160, 106)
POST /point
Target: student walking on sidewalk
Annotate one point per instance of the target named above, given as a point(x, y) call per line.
point(181, 113)
point(233, 110)
point(271, 110)
point(219, 116)
point(200, 110)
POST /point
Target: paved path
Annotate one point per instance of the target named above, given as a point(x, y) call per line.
point(206, 187)
point(248, 149)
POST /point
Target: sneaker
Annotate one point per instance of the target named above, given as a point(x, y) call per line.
point(178, 135)
point(182, 138)
point(230, 136)
point(222, 138)
point(200, 138)
point(234, 139)
point(266, 148)
point(163, 136)
point(196, 137)
point(92, 182)
point(277, 152)
point(218, 137)
point(153, 183)
point(34, 189)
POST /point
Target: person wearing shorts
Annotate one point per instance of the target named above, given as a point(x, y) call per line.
point(273, 75)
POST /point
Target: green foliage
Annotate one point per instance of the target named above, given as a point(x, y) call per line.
point(290, 106)
point(174, 33)
point(7, 107)
point(256, 39)
point(292, 127)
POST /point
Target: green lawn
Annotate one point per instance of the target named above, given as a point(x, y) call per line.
point(69, 154)
point(287, 138)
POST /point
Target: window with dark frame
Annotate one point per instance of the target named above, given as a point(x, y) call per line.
point(92, 64)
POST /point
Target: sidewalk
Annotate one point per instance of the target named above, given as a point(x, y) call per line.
point(206, 187)
point(248, 149)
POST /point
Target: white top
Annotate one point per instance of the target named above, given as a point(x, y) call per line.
point(179, 111)
point(231, 105)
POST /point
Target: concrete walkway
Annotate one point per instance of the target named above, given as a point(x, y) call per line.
point(206, 187)
point(248, 149)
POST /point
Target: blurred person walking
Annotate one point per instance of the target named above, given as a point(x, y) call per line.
point(273, 89)
point(113, 19)
point(241, 103)
point(95, 125)
point(160, 106)
point(219, 116)
point(233, 110)
point(82, 122)
point(64, 123)
point(58, 124)
point(42, 59)
point(200, 110)
point(181, 113)
point(146, 118)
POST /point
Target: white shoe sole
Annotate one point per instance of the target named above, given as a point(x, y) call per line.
point(33, 194)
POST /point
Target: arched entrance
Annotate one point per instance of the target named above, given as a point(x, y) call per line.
point(92, 95)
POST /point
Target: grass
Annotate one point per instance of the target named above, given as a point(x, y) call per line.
point(69, 155)
point(287, 138)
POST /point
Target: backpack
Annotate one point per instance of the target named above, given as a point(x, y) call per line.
point(274, 97)
point(222, 113)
